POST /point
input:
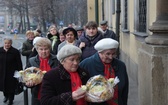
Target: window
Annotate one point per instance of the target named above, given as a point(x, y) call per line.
point(140, 22)
point(142, 16)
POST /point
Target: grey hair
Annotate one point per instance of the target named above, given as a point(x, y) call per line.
point(8, 38)
point(52, 26)
point(43, 42)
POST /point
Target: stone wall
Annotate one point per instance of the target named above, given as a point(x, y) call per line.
point(153, 75)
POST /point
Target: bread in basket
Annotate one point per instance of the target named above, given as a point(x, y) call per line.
point(99, 89)
point(32, 74)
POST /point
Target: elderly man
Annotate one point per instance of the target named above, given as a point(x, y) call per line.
point(79, 30)
point(107, 33)
point(103, 62)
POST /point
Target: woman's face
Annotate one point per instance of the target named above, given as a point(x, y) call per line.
point(91, 31)
point(107, 55)
point(53, 31)
point(71, 63)
point(7, 44)
point(43, 52)
point(70, 37)
point(62, 37)
point(30, 36)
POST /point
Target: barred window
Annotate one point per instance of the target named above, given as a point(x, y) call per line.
point(126, 15)
point(142, 16)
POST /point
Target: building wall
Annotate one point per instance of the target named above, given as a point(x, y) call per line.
point(130, 43)
point(130, 46)
point(91, 9)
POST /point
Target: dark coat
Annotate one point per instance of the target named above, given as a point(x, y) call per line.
point(110, 34)
point(54, 51)
point(35, 62)
point(95, 66)
point(89, 49)
point(34, 53)
point(56, 87)
point(10, 61)
point(27, 49)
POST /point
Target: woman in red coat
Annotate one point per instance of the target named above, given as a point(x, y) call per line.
point(10, 61)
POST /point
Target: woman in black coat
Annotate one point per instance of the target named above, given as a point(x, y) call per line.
point(10, 62)
point(53, 36)
point(62, 85)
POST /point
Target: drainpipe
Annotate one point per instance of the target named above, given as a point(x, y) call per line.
point(96, 11)
point(102, 9)
point(118, 10)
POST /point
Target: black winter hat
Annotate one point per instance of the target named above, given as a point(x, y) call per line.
point(66, 30)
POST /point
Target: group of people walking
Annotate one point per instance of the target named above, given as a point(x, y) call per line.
point(70, 56)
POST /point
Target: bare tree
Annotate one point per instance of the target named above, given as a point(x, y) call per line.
point(46, 12)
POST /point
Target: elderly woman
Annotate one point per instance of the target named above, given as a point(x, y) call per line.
point(34, 51)
point(43, 60)
point(10, 61)
point(61, 86)
point(104, 62)
point(62, 37)
point(70, 37)
point(28, 45)
point(53, 36)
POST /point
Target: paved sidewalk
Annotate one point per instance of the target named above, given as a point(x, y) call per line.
point(19, 99)
point(133, 93)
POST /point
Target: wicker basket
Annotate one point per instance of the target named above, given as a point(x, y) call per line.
point(32, 74)
point(99, 89)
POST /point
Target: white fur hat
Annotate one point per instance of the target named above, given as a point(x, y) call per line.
point(68, 50)
point(35, 40)
point(105, 44)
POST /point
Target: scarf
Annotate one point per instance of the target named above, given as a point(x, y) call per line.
point(109, 73)
point(43, 66)
point(75, 84)
point(54, 40)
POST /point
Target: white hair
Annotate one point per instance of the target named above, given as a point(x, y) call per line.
point(7, 38)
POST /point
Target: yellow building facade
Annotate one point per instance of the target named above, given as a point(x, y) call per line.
point(143, 36)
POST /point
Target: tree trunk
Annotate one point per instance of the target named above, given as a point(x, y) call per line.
point(27, 15)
